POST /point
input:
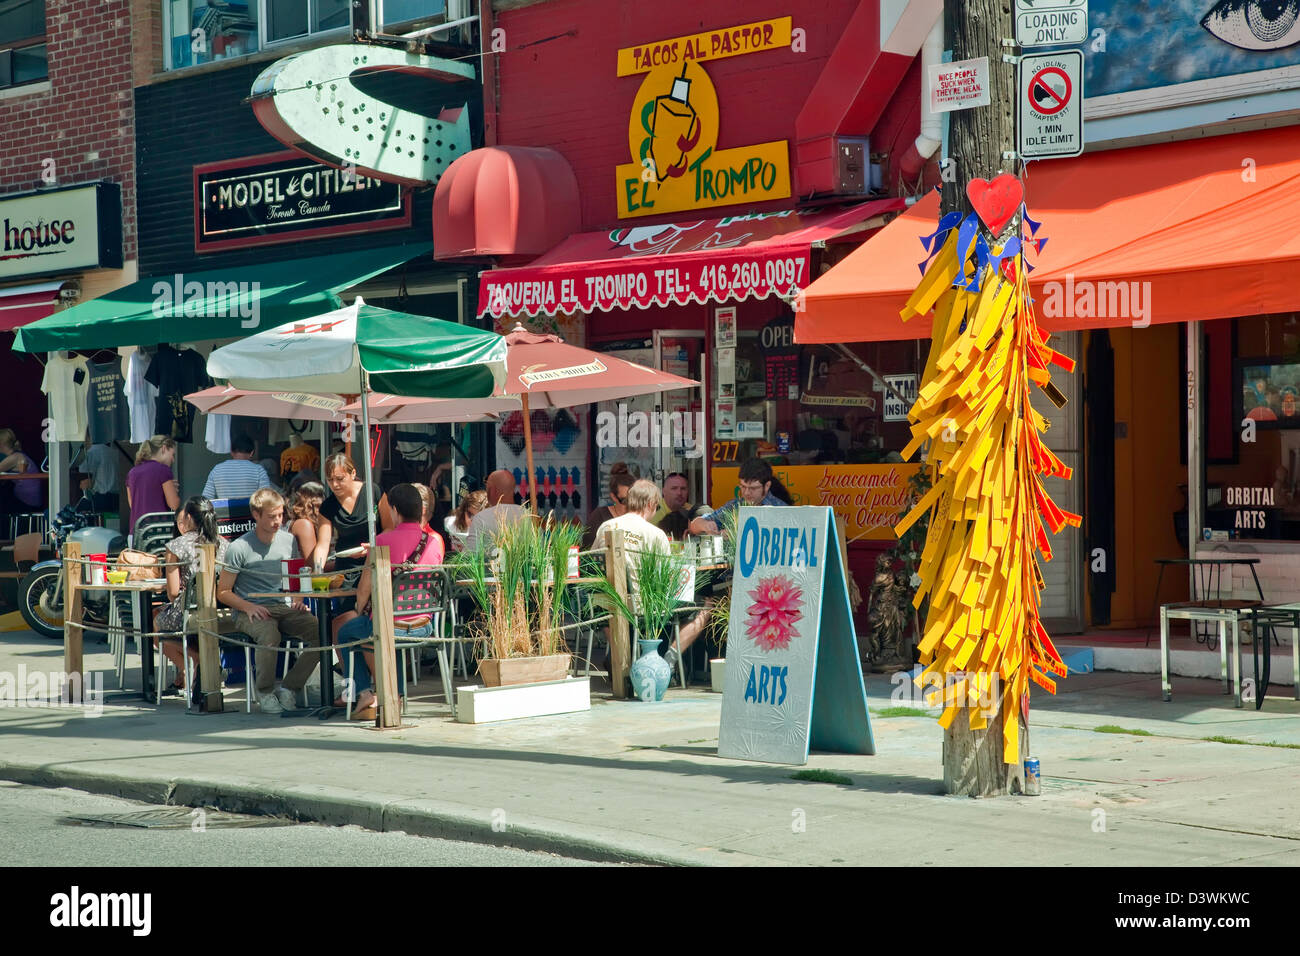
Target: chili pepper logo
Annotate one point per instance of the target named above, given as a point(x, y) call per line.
point(674, 130)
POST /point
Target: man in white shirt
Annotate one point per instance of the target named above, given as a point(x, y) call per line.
point(239, 476)
point(502, 512)
point(640, 534)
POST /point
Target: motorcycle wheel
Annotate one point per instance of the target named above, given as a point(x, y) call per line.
point(38, 604)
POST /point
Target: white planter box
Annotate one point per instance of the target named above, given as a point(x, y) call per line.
point(481, 705)
point(718, 674)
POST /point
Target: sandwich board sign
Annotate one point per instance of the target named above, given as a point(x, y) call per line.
point(1049, 105)
point(794, 680)
point(1051, 22)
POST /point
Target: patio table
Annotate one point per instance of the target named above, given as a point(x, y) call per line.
point(323, 619)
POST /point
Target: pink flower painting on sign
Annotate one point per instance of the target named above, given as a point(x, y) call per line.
point(774, 612)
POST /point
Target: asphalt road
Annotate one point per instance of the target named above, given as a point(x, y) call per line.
point(33, 830)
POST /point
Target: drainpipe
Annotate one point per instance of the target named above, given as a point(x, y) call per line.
point(912, 164)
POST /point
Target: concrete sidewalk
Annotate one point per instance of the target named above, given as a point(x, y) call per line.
point(642, 782)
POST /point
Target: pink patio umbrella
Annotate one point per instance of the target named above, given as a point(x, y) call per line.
point(228, 400)
point(319, 407)
point(541, 371)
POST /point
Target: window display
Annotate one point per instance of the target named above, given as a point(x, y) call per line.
point(811, 404)
point(1255, 492)
point(832, 431)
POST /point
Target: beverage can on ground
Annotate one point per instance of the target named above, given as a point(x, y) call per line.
point(1033, 778)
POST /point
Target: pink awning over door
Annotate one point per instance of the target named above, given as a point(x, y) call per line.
point(718, 260)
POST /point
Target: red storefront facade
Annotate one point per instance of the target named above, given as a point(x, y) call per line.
point(662, 181)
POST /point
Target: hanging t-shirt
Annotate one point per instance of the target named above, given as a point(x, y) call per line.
point(141, 397)
point(218, 434)
point(177, 373)
point(107, 417)
point(66, 382)
point(303, 458)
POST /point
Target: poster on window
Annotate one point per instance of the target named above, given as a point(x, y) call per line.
point(726, 420)
point(780, 358)
point(900, 401)
point(724, 327)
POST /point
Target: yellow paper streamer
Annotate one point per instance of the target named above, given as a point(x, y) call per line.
point(989, 514)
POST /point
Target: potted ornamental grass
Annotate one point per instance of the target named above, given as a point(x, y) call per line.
point(659, 584)
point(524, 591)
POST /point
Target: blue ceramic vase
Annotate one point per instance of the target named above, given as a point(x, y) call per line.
point(650, 673)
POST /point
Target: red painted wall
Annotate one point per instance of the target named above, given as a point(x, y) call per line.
point(554, 49)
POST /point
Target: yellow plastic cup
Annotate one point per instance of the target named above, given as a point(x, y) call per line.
point(321, 583)
point(117, 577)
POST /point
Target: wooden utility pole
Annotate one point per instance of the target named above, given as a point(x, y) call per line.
point(977, 140)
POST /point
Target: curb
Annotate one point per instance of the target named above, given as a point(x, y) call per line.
point(336, 806)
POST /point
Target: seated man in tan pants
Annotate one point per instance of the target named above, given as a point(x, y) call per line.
point(252, 566)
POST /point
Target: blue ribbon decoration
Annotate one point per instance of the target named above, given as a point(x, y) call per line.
point(934, 242)
point(982, 254)
point(1010, 250)
point(966, 235)
point(1024, 217)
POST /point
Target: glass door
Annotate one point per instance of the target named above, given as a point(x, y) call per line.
point(683, 441)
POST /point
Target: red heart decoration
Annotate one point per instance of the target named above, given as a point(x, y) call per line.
point(997, 201)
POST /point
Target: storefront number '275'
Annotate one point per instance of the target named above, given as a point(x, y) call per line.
point(726, 450)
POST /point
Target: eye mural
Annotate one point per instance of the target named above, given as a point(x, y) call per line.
point(1147, 45)
point(1255, 24)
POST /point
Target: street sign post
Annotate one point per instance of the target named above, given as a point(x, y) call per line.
point(1051, 22)
point(1049, 105)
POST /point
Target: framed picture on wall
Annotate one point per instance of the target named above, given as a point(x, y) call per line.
point(1268, 391)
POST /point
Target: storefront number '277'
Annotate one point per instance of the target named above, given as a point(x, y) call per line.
point(673, 127)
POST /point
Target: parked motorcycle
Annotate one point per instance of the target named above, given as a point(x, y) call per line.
point(41, 593)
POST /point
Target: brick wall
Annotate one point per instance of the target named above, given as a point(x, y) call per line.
point(88, 108)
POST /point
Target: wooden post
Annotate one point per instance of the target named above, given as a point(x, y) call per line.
point(205, 619)
point(528, 451)
point(978, 138)
point(620, 638)
point(73, 637)
point(381, 615)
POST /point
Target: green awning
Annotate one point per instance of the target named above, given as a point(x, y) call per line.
point(219, 304)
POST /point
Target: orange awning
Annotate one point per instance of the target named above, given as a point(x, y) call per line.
point(1199, 229)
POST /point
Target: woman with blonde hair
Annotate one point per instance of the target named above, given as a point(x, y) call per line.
point(457, 523)
point(151, 485)
point(307, 525)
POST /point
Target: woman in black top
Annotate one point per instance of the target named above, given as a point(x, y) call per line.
point(346, 513)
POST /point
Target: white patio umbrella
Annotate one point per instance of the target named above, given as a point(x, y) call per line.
point(349, 350)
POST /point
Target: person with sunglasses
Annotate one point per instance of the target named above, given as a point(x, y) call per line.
point(620, 481)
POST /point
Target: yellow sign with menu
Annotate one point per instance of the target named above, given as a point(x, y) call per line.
point(868, 500)
point(673, 127)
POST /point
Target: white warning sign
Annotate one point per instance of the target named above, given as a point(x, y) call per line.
point(1049, 105)
point(1051, 22)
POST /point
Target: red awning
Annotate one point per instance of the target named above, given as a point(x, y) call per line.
point(1198, 229)
point(510, 202)
point(22, 304)
point(719, 260)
